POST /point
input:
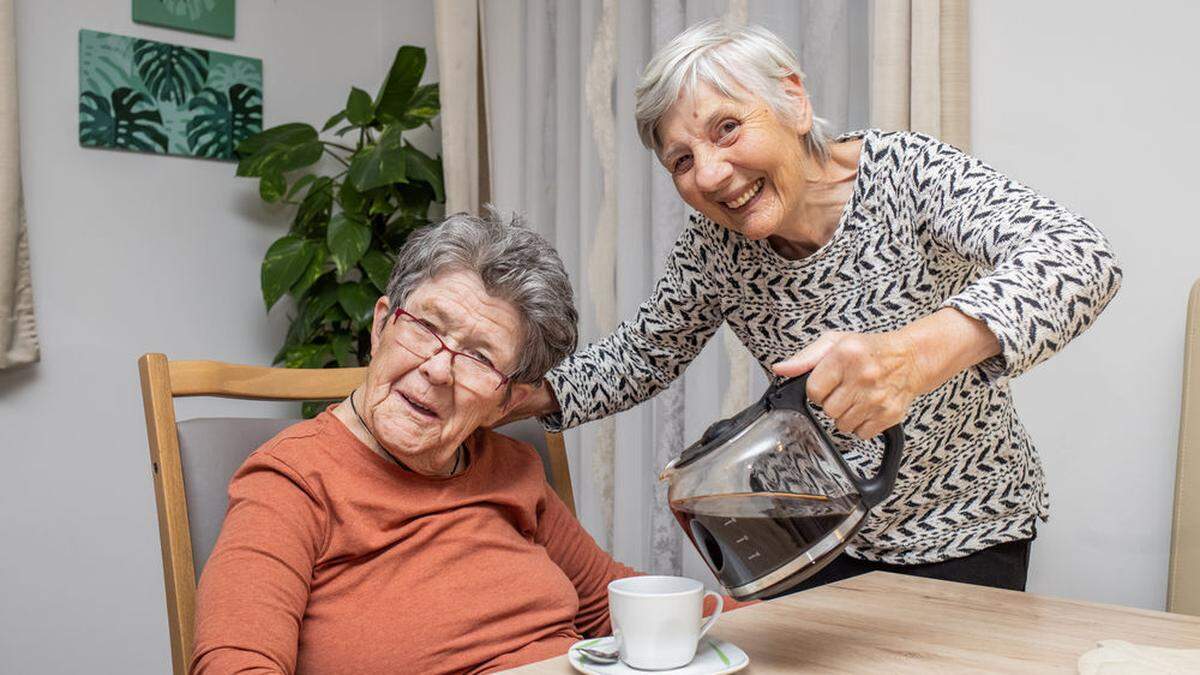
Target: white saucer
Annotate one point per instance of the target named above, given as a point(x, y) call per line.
point(713, 657)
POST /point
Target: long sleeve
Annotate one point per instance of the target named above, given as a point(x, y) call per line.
point(255, 586)
point(643, 356)
point(1047, 273)
point(587, 566)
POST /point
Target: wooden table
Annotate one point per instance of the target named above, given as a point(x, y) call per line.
point(889, 623)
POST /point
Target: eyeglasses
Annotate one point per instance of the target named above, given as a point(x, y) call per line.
point(415, 335)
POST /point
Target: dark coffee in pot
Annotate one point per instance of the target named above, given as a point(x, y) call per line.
point(745, 536)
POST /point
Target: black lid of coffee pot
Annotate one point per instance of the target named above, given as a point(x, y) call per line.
point(788, 394)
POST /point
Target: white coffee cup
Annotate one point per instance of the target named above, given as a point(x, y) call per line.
point(657, 619)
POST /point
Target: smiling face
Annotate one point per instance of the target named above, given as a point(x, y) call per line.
point(736, 161)
point(412, 405)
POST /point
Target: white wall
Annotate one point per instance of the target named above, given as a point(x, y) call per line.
point(1094, 104)
point(134, 253)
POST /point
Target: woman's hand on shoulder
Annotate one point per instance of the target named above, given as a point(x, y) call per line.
point(538, 402)
point(864, 381)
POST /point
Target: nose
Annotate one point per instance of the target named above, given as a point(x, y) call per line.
point(712, 172)
point(438, 369)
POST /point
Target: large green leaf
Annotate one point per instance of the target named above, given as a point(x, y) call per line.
point(419, 166)
point(284, 263)
point(403, 77)
point(359, 110)
point(378, 266)
point(219, 122)
point(348, 241)
point(271, 187)
point(308, 356)
point(381, 202)
point(358, 299)
point(308, 321)
point(280, 149)
point(315, 208)
point(131, 121)
point(318, 266)
point(343, 346)
point(380, 164)
point(352, 200)
point(424, 106)
point(171, 73)
point(323, 300)
point(335, 317)
point(300, 184)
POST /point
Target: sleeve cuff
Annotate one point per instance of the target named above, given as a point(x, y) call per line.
point(995, 370)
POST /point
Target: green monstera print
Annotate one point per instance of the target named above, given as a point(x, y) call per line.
point(154, 97)
point(222, 121)
point(131, 121)
point(171, 73)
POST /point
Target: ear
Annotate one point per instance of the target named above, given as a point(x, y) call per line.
point(517, 395)
point(793, 88)
point(383, 312)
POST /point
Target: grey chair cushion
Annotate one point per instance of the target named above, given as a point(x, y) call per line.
point(211, 450)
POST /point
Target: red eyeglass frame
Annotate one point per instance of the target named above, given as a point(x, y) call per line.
point(504, 379)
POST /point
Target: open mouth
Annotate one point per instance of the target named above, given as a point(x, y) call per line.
point(746, 197)
point(421, 409)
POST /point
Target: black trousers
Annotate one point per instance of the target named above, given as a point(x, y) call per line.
point(1000, 566)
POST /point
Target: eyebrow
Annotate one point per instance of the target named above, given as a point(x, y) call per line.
point(435, 311)
point(722, 110)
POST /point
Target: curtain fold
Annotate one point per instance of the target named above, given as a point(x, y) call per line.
point(463, 118)
point(18, 330)
point(920, 72)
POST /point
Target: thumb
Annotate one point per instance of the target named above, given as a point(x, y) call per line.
point(806, 359)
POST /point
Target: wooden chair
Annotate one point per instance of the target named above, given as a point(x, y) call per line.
point(193, 460)
point(1183, 579)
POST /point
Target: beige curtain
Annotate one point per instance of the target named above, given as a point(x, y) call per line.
point(463, 117)
point(920, 73)
point(18, 333)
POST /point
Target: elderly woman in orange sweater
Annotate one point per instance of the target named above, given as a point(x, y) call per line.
point(395, 532)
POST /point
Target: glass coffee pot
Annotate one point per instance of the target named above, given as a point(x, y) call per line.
point(766, 498)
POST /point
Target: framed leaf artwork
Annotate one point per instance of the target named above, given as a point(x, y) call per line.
point(149, 96)
point(211, 17)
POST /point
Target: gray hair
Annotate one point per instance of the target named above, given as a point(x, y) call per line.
point(515, 263)
point(724, 56)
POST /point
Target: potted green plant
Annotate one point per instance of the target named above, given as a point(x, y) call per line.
point(338, 253)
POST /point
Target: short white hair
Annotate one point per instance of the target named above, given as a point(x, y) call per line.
point(727, 57)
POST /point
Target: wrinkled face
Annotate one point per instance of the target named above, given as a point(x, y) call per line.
point(413, 405)
point(734, 160)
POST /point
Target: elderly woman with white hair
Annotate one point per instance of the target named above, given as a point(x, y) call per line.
point(908, 279)
point(394, 532)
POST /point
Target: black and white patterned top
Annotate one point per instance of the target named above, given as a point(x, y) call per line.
point(927, 227)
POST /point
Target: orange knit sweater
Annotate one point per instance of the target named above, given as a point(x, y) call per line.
point(334, 560)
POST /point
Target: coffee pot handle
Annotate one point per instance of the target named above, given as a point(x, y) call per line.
point(792, 394)
point(878, 488)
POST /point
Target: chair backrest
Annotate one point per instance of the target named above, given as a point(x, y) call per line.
point(1183, 581)
point(193, 460)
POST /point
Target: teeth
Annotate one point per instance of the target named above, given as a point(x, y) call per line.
point(746, 196)
point(420, 407)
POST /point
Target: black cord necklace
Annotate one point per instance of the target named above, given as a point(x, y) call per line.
point(457, 455)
